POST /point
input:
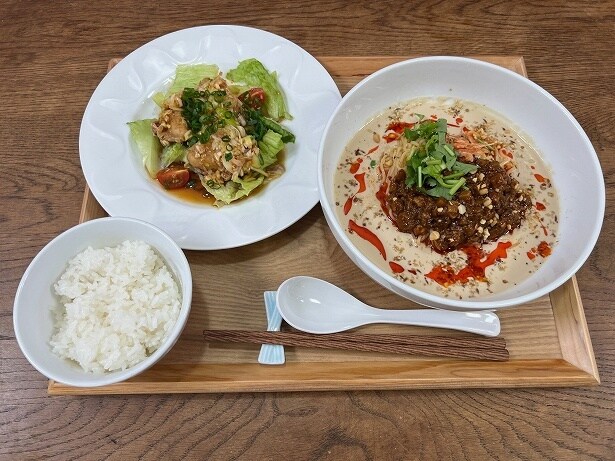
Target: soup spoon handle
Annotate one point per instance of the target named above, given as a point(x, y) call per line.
point(484, 323)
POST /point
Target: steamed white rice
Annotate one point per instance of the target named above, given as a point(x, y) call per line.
point(118, 304)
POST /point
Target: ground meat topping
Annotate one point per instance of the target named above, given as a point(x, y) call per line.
point(493, 204)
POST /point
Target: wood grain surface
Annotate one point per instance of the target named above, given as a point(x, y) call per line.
point(52, 57)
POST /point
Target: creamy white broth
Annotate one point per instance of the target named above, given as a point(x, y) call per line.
point(409, 259)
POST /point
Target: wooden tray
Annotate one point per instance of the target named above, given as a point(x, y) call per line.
point(548, 339)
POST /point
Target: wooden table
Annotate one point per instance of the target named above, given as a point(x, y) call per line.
point(52, 58)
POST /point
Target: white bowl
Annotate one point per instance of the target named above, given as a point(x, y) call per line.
point(576, 172)
point(32, 315)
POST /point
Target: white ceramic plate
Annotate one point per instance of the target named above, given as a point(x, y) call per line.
point(114, 170)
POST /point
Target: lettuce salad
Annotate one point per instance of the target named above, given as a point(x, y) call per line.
point(221, 135)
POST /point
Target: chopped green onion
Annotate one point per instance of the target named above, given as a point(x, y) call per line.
point(226, 138)
point(448, 149)
point(433, 166)
point(454, 175)
point(456, 187)
point(228, 156)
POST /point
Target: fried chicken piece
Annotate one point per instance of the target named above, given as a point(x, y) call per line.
point(171, 127)
point(220, 160)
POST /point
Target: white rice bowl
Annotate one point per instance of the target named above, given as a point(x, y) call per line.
point(124, 316)
point(117, 305)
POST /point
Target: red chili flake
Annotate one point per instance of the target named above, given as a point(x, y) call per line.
point(444, 275)
point(506, 153)
point(355, 166)
point(544, 249)
point(496, 255)
point(475, 269)
point(465, 129)
point(540, 178)
point(390, 137)
point(381, 195)
point(373, 149)
point(348, 205)
point(368, 235)
point(397, 268)
point(412, 271)
point(433, 116)
point(399, 127)
point(361, 179)
point(540, 206)
point(459, 120)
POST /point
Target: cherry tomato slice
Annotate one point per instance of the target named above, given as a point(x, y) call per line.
point(173, 177)
point(254, 98)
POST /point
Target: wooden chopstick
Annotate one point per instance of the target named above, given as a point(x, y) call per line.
point(438, 346)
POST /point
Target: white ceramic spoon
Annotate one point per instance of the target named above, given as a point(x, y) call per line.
point(315, 306)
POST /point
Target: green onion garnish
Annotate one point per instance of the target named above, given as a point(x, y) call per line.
point(433, 168)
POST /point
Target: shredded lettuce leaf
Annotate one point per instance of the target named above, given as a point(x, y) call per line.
point(287, 136)
point(233, 190)
point(189, 76)
point(270, 146)
point(147, 143)
point(186, 76)
point(158, 98)
point(251, 72)
point(172, 153)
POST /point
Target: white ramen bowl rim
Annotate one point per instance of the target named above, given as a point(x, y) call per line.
point(351, 103)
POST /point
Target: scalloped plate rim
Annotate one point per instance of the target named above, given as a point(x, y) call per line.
point(118, 181)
